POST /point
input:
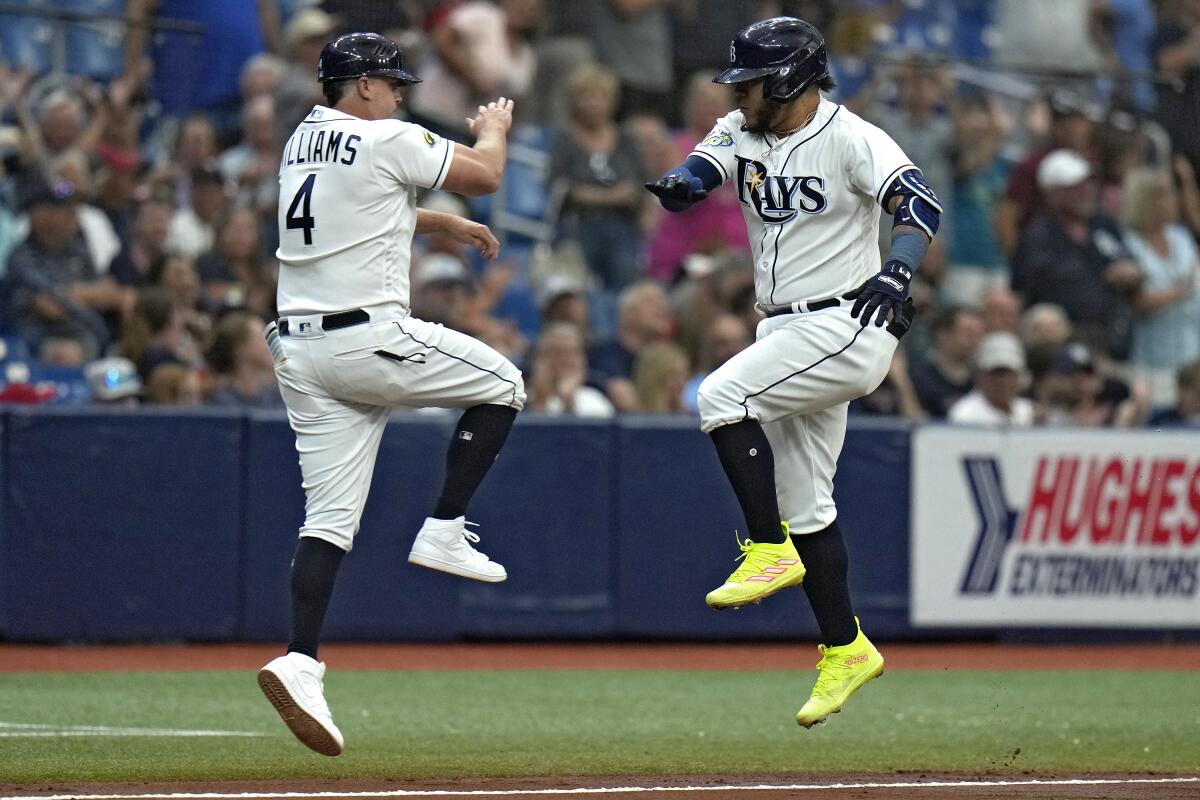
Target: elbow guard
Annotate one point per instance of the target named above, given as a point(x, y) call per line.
point(919, 207)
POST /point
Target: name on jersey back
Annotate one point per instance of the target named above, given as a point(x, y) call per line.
point(327, 146)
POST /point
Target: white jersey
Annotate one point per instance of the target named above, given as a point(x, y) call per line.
point(347, 209)
point(811, 200)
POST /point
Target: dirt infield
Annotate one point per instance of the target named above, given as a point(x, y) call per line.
point(39, 658)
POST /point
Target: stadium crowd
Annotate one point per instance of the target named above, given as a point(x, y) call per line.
point(139, 197)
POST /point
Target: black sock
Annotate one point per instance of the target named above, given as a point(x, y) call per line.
point(749, 464)
point(477, 441)
point(826, 563)
point(314, 568)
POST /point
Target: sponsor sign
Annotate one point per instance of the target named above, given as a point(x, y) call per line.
point(1055, 528)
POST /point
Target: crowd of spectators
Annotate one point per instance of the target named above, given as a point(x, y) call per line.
point(139, 198)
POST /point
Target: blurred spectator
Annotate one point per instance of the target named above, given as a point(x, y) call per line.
point(481, 50)
point(245, 371)
point(1071, 128)
point(659, 375)
point(439, 291)
point(192, 229)
point(946, 375)
point(1000, 310)
point(1123, 32)
point(633, 39)
point(195, 150)
point(306, 33)
point(173, 384)
point(62, 123)
point(975, 261)
point(726, 336)
point(1045, 330)
point(1077, 391)
point(102, 242)
point(261, 76)
point(237, 273)
point(177, 277)
point(195, 70)
point(563, 298)
point(55, 292)
point(1074, 258)
point(1177, 55)
point(557, 375)
point(717, 223)
point(1120, 147)
point(1166, 328)
point(1186, 409)
point(996, 400)
point(601, 174)
point(643, 318)
point(113, 382)
point(147, 244)
point(156, 334)
point(252, 166)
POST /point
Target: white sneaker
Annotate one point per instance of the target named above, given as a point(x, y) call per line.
point(445, 545)
point(293, 684)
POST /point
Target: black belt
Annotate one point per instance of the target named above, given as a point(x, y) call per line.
point(331, 322)
point(800, 308)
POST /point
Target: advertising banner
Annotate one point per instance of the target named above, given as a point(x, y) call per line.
point(1055, 528)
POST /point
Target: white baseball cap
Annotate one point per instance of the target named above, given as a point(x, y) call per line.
point(440, 268)
point(1062, 168)
point(1000, 350)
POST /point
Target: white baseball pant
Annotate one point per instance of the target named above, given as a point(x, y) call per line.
point(340, 386)
point(797, 380)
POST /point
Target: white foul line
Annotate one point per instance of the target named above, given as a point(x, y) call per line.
point(762, 787)
point(11, 730)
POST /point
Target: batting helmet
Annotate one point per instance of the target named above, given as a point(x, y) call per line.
point(788, 52)
point(354, 55)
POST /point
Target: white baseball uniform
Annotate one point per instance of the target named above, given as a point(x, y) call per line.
point(346, 349)
point(811, 203)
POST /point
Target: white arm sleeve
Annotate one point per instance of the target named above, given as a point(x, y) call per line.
point(873, 161)
point(718, 146)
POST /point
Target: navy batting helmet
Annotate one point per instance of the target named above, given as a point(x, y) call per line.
point(788, 52)
point(354, 55)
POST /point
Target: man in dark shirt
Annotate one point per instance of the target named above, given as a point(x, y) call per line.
point(1176, 50)
point(56, 296)
point(1074, 258)
point(151, 222)
point(643, 318)
point(1186, 411)
point(946, 374)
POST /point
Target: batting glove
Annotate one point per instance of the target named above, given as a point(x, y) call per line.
point(677, 191)
point(885, 293)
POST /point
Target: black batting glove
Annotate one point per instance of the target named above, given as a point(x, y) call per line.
point(677, 191)
point(881, 295)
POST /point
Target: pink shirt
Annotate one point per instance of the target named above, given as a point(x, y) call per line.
point(711, 225)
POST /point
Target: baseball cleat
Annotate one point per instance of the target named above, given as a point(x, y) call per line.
point(294, 685)
point(766, 568)
point(445, 545)
point(842, 671)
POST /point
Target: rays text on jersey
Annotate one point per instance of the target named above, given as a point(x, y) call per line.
point(327, 146)
point(778, 198)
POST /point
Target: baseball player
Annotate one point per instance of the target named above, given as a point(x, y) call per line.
point(347, 350)
point(811, 177)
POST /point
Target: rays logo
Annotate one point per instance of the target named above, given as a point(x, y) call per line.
point(718, 137)
point(778, 198)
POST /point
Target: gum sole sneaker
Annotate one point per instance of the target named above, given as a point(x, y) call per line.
point(765, 569)
point(842, 671)
point(293, 684)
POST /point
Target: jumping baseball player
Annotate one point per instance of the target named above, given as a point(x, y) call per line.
point(347, 350)
point(811, 177)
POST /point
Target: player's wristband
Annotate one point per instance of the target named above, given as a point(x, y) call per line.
point(908, 250)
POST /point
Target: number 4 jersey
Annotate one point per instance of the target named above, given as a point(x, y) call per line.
point(347, 209)
point(810, 199)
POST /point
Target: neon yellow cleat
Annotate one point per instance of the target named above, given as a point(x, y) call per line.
point(767, 568)
point(843, 671)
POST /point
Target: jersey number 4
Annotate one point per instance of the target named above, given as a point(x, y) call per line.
point(304, 222)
